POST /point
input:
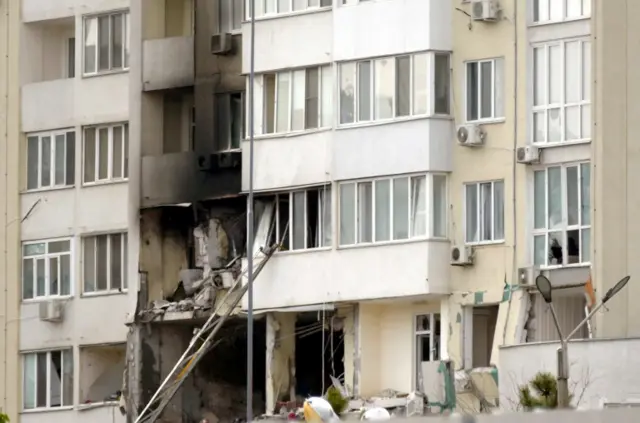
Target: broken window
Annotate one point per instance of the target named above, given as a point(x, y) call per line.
point(570, 307)
point(100, 375)
point(48, 379)
point(427, 333)
point(229, 111)
point(296, 220)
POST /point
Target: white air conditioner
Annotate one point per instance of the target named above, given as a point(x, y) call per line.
point(461, 255)
point(470, 135)
point(221, 43)
point(52, 311)
point(528, 155)
point(527, 276)
point(223, 279)
point(484, 10)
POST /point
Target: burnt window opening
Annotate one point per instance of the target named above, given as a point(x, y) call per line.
point(295, 220)
point(230, 120)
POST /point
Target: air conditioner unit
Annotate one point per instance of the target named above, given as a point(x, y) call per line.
point(52, 311)
point(221, 43)
point(228, 160)
point(470, 135)
point(205, 162)
point(461, 255)
point(528, 155)
point(223, 279)
point(484, 10)
point(526, 276)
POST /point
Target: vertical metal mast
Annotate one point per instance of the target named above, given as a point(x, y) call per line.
point(250, 237)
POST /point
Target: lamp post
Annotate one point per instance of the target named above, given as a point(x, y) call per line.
point(544, 287)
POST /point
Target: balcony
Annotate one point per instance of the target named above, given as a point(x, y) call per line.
point(104, 414)
point(41, 10)
point(355, 274)
point(168, 63)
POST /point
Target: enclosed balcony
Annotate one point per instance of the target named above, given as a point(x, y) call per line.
point(168, 63)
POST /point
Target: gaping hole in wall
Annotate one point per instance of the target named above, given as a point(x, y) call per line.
point(484, 327)
point(319, 352)
point(101, 368)
point(570, 305)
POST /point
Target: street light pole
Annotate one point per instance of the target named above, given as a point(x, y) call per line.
point(544, 287)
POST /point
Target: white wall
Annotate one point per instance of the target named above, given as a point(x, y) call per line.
point(107, 414)
point(353, 274)
point(38, 10)
point(601, 369)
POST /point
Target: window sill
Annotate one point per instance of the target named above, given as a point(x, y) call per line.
point(42, 190)
point(104, 293)
point(305, 251)
point(547, 23)
point(107, 182)
point(47, 410)
point(484, 243)
point(492, 121)
point(105, 73)
point(388, 243)
point(287, 134)
point(289, 14)
point(563, 266)
point(560, 144)
point(92, 405)
point(343, 126)
point(43, 299)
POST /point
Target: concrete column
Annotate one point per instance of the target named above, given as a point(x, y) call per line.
point(281, 355)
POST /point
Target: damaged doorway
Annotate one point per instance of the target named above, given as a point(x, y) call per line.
point(427, 341)
point(479, 332)
point(319, 352)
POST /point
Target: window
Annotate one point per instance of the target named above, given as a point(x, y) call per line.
point(293, 101)
point(392, 209)
point(562, 215)
point(71, 57)
point(393, 87)
point(562, 92)
point(106, 43)
point(554, 10)
point(46, 269)
point(484, 90)
point(106, 153)
point(48, 379)
point(276, 7)
point(484, 209)
point(229, 112)
point(427, 334)
point(296, 220)
point(104, 263)
point(230, 15)
point(51, 159)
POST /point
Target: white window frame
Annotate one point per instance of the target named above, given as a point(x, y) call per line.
point(480, 213)
point(431, 80)
point(585, 11)
point(260, 106)
point(546, 106)
point(434, 351)
point(62, 406)
point(110, 164)
point(261, 5)
point(126, 42)
point(123, 263)
point(52, 165)
point(565, 227)
point(226, 15)
point(429, 210)
point(46, 256)
point(497, 92)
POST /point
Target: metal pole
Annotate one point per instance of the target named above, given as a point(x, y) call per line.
point(562, 370)
point(252, 55)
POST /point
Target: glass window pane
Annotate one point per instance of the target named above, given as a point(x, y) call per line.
point(555, 10)
point(573, 246)
point(124, 260)
point(383, 209)
point(420, 83)
point(237, 14)
point(126, 150)
point(540, 72)
point(299, 4)
point(554, 125)
point(347, 214)
point(327, 231)
point(312, 94)
point(34, 249)
point(400, 208)
point(65, 274)
point(116, 261)
point(586, 122)
point(29, 384)
point(55, 378)
point(471, 212)
point(441, 80)
point(116, 163)
point(540, 250)
point(236, 120)
point(299, 228)
point(403, 85)
point(555, 73)
point(572, 70)
point(439, 206)
point(40, 278)
point(327, 96)
point(539, 128)
point(269, 98)
point(298, 100)
point(540, 10)
point(67, 377)
point(283, 106)
point(33, 162)
point(586, 70)
point(90, 155)
point(364, 91)
point(59, 246)
point(585, 193)
point(127, 40)
point(101, 262)
point(585, 246)
point(41, 379)
point(556, 248)
point(103, 153)
point(539, 199)
point(574, 8)
point(554, 206)
point(384, 88)
point(27, 279)
point(45, 171)
point(60, 159)
point(365, 212)
point(486, 90)
point(89, 265)
point(117, 47)
point(486, 202)
point(573, 211)
point(472, 91)
point(70, 164)
point(103, 43)
point(90, 44)
point(572, 123)
point(498, 210)
point(347, 92)
point(419, 205)
point(53, 276)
